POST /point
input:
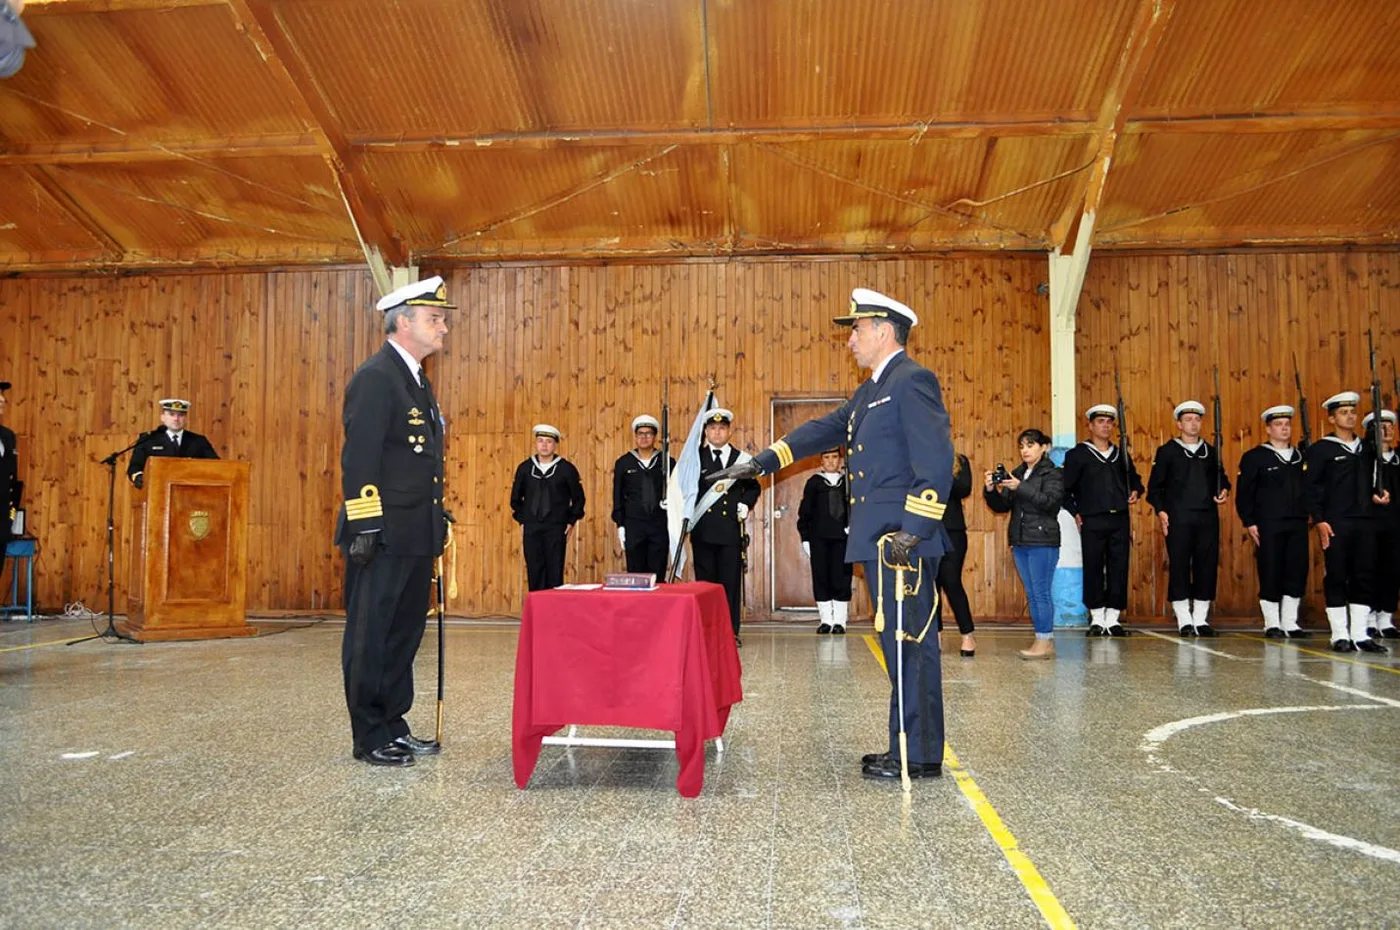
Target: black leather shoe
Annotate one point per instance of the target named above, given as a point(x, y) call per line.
point(1367, 645)
point(967, 653)
point(889, 768)
point(874, 758)
point(1299, 633)
point(1390, 632)
point(1205, 629)
point(1342, 645)
point(738, 642)
point(1273, 632)
point(1373, 632)
point(389, 754)
point(823, 629)
point(1185, 631)
point(1095, 630)
point(418, 747)
point(838, 630)
point(1117, 630)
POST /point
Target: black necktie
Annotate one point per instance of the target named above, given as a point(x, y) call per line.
point(718, 462)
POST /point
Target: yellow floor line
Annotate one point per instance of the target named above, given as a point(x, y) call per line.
point(1329, 654)
point(52, 642)
point(1035, 885)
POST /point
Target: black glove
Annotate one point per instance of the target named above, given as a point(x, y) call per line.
point(738, 472)
point(364, 547)
point(901, 547)
point(447, 516)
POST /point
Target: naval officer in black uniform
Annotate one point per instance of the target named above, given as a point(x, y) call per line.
point(1186, 484)
point(9, 480)
point(1343, 506)
point(170, 440)
point(639, 490)
point(899, 455)
point(719, 536)
point(391, 526)
point(1269, 500)
point(1099, 489)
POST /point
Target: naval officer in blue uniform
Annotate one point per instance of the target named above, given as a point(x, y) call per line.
point(900, 460)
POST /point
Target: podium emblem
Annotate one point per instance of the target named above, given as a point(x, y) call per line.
point(199, 524)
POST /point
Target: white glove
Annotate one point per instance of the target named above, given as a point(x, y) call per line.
point(807, 548)
point(621, 538)
point(665, 501)
point(743, 511)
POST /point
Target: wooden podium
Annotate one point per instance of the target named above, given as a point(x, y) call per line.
point(189, 551)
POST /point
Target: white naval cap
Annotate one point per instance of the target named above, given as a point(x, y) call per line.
point(430, 292)
point(1189, 406)
point(1344, 399)
point(1277, 411)
point(175, 404)
point(1388, 415)
point(719, 415)
point(645, 419)
point(544, 429)
point(867, 305)
point(1101, 410)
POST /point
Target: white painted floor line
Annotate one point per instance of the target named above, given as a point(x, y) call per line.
point(1313, 833)
point(1349, 690)
point(1189, 644)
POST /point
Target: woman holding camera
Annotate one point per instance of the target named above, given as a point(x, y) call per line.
point(1032, 493)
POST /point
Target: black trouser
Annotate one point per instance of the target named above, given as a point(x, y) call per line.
point(647, 545)
point(721, 564)
point(1107, 542)
point(923, 665)
point(386, 610)
point(1282, 559)
point(831, 573)
point(544, 555)
point(1193, 555)
point(1349, 562)
point(950, 583)
point(1387, 586)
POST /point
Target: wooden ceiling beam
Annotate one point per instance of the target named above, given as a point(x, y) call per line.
point(1133, 63)
point(286, 145)
point(1241, 123)
point(258, 21)
point(53, 7)
point(112, 249)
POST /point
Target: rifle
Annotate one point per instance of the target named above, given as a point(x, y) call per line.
point(1122, 432)
point(1302, 408)
point(1376, 447)
point(666, 439)
point(1219, 444)
point(1395, 377)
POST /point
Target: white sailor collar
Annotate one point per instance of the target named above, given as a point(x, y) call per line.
point(1108, 456)
point(1201, 450)
point(1353, 447)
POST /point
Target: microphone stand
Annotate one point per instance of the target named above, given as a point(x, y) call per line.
point(112, 633)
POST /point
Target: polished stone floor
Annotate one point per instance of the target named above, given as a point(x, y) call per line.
point(1131, 783)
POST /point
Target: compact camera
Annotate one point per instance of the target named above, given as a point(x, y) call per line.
point(1000, 474)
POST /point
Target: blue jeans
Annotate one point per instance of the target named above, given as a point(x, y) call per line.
point(1036, 566)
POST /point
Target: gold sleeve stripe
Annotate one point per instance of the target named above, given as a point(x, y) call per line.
point(784, 454)
point(925, 505)
point(365, 507)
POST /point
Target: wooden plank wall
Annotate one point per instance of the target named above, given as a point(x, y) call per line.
point(265, 357)
point(1168, 319)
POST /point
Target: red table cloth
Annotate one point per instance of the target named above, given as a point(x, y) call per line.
point(663, 659)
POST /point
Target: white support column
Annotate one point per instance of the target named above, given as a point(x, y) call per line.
point(1066, 282)
point(401, 276)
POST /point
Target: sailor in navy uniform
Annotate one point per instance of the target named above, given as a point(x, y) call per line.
point(639, 493)
point(170, 439)
point(823, 523)
point(1099, 489)
point(9, 480)
point(1341, 503)
point(546, 499)
point(392, 524)
point(719, 536)
point(1269, 500)
point(1382, 625)
point(899, 456)
point(1185, 485)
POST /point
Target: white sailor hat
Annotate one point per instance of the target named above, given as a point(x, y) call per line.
point(175, 405)
point(1388, 415)
point(1344, 399)
point(430, 292)
point(645, 419)
point(1189, 406)
point(872, 305)
point(544, 429)
point(719, 415)
point(1276, 412)
point(1101, 410)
